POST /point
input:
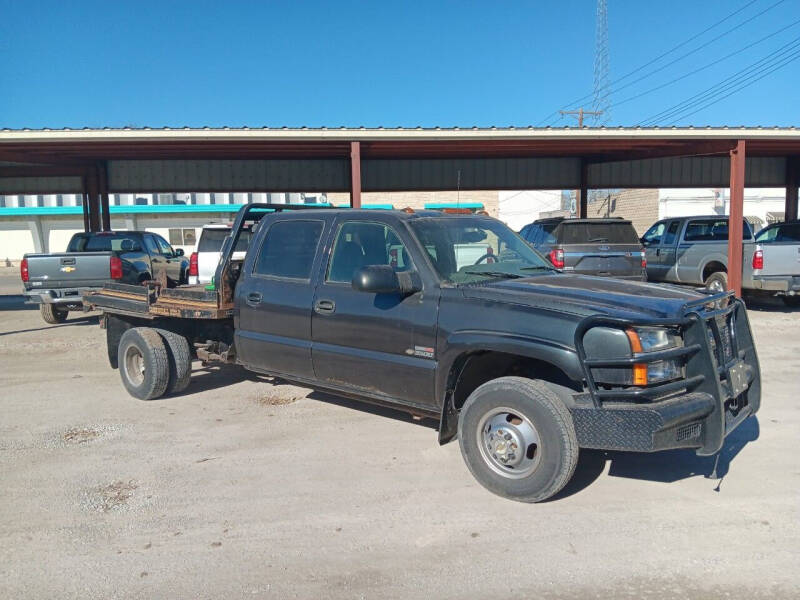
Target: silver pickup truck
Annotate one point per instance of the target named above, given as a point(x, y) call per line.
point(694, 250)
point(776, 261)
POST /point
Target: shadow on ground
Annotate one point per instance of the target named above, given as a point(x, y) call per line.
point(15, 302)
point(77, 322)
point(663, 467)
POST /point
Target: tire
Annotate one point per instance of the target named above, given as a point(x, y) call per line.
point(791, 301)
point(720, 278)
point(143, 363)
point(180, 360)
point(515, 405)
point(53, 314)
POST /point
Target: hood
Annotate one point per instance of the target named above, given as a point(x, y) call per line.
point(585, 295)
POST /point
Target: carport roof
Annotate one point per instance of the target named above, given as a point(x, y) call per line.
point(65, 146)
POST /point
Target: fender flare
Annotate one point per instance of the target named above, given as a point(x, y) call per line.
point(461, 345)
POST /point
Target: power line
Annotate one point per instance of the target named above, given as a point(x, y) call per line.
point(704, 67)
point(670, 51)
point(785, 62)
point(725, 84)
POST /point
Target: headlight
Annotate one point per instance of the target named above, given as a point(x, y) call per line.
point(652, 339)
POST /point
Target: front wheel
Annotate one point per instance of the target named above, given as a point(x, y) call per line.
point(53, 314)
point(518, 439)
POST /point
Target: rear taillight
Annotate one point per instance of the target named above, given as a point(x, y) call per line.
point(116, 267)
point(644, 260)
point(758, 259)
point(556, 256)
point(193, 269)
point(23, 269)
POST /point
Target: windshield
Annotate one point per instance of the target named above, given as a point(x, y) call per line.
point(211, 240)
point(473, 249)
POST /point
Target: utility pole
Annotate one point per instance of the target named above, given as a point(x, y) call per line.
point(581, 113)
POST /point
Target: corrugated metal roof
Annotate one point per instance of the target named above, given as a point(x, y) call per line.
point(411, 133)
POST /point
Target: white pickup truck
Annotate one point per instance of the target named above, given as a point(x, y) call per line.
point(776, 261)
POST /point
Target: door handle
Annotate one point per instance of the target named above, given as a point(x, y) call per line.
point(658, 251)
point(324, 307)
point(253, 298)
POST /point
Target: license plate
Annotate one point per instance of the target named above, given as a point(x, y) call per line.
point(737, 379)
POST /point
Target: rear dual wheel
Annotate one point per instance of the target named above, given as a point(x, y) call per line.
point(153, 362)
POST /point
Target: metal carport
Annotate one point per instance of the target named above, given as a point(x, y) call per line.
point(96, 162)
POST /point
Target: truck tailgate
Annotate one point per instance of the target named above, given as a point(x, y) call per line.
point(68, 270)
point(780, 258)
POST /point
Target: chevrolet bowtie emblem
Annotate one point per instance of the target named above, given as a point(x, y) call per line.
point(67, 269)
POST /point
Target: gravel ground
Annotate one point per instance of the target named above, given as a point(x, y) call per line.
point(245, 488)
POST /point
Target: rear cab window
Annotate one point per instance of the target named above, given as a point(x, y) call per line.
point(607, 232)
point(111, 242)
point(787, 233)
point(211, 240)
point(289, 249)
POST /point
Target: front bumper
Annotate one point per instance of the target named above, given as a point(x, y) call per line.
point(721, 388)
point(59, 296)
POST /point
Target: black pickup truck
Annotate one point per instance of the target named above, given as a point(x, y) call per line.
point(522, 363)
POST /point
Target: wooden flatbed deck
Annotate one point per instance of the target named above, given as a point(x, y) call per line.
point(146, 301)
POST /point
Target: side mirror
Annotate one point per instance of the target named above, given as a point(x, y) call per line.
point(179, 252)
point(644, 242)
point(381, 279)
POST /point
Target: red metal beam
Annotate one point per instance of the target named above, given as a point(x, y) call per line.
point(736, 216)
point(792, 183)
point(355, 174)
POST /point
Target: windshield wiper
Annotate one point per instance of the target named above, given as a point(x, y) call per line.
point(501, 274)
point(538, 268)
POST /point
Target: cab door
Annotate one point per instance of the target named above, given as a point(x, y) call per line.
point(172, 262)
point(651, 241)
point(380, 344)
point(274, 297)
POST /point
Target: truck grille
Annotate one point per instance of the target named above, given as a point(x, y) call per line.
point(724, 327)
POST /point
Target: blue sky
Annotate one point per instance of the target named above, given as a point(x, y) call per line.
point(176, 63)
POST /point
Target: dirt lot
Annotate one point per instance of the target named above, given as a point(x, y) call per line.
point(241, 488)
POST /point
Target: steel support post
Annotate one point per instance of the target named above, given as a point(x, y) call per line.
point(102, 181)
point(355, 174)
point(93, 201)
point(583, 201)
point(792, 183)
point(736, 216)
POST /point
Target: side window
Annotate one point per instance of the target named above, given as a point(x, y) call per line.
point(164, 247)
point(534, 234)
point(150, 244)
point(359, 244)
point(671, 234)
point(653, 235)
point(289, 249)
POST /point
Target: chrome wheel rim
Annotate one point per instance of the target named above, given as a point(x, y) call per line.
point(134, 365)
point(509, 443)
